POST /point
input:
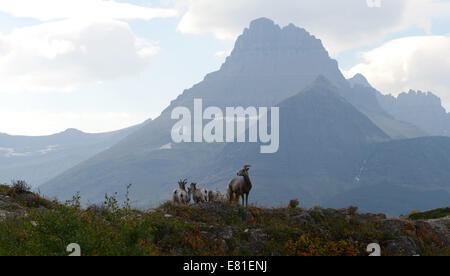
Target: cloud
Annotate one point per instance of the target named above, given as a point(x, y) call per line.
point(341, 25)
point(45, 122)
point(4, 44)
point(419, 63)
point(46, 10)
point(62, 55)
point(78, 42)
point(222, 54)
point(11, 152)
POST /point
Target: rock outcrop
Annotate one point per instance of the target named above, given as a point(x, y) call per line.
point(248, 233)
point(9, 207)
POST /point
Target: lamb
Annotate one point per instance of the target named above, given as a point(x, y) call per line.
point(180, 195)
point(238, 187)
point(214, 196)
point(199, 195)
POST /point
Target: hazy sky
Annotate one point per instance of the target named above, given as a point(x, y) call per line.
point(101, 65)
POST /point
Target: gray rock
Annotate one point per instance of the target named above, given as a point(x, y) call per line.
point(303, 218)
point(371, 217)
point(404, 246)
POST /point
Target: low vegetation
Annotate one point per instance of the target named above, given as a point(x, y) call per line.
point(112, 228)
point(433, 214)
point(20, 193)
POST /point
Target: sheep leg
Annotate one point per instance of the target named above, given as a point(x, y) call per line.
point(246, 200)
point(233, 197)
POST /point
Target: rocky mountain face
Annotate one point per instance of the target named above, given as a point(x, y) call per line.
point(360, 80)
point(401, 175)
point(370, 101)
point(423, 109)
point(416, 109)
point(38, 159)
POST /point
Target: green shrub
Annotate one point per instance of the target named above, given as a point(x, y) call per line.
point(19, 187)
point(294, 203)
point(115, 229)
point(433, 214)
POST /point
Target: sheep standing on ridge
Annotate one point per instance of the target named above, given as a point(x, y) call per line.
point(180, 195)
point(239, 187)
point(214, 196)
point(199, 195)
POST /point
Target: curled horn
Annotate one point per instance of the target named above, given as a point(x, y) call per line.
point(181, 184)
point(247, 167)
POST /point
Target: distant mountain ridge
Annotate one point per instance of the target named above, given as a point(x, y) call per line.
point(37, 159)
point(424, 109)
point(369, 100)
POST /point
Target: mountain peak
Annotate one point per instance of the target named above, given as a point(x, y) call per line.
point(419, 98)
point(262, 23)
point(72, 131)
point(264, 35)
point(359, 79)
point(265, 49)
point(322, 85)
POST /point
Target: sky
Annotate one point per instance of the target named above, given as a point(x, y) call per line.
point(99, 65)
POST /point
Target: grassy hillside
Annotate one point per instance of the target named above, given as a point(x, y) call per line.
point(207, 229)
point(433, 214)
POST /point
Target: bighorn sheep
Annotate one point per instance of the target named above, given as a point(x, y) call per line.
point(180, 195)
point(199, 195)
point(214, 196)
point(239, 187)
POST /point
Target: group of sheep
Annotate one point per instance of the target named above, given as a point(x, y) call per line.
point(238, 187)
point(183, 196)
